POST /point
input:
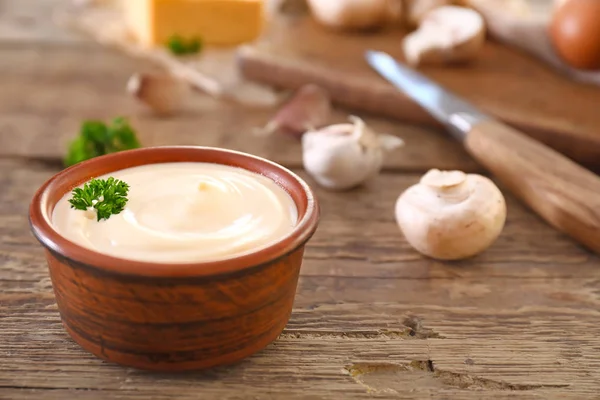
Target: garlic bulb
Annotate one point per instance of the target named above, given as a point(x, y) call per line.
point(355, 14)
point(451, 215)
point(342, 156)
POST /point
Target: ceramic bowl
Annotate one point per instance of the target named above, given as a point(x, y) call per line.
point(171, 317)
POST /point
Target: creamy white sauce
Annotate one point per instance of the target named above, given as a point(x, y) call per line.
point(184, 212)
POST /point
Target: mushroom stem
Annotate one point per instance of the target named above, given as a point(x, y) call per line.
point(452, 186)
point(443, 179)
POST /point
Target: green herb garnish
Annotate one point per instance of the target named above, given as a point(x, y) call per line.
point(97, 138)
point(106, 196)
point(180, 46)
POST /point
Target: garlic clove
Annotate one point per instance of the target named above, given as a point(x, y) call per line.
point(308, 108)
point(447, 34)
point(334, 164)
point(343, 156)
point(163, 93)
point(450, 215)
point(367, 138)
point(389, 142)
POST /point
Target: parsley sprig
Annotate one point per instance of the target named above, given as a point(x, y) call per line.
point(106, 196)
point(180, 46)
point(97, 138)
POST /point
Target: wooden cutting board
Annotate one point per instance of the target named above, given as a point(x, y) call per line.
point(508, 84)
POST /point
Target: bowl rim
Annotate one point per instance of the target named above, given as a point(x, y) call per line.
point(41, 226)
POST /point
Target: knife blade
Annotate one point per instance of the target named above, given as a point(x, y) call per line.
point(452, 111)
point(562, 192)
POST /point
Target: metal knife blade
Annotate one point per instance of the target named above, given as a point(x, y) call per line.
point(456, 114)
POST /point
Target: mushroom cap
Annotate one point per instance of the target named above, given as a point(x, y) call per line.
point(448, 220)
point(447, 34)
point(350, 14)
point(417, 9)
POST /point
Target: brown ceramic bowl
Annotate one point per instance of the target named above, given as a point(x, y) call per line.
point(173, 316)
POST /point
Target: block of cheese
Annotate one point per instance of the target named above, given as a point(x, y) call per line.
point(216, 22)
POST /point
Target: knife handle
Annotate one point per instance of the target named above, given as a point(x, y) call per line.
point(560, 191)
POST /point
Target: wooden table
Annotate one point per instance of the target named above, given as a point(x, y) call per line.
point(372, 318)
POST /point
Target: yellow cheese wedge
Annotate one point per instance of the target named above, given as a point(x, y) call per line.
point(217, 22)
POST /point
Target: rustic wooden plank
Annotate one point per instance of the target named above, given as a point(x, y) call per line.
point(520, 321)
point(32, 21)
point(489, 294)
point(512, 86)
point(357, 237)
point(529, 333)
point(533, 352)
point(269, 394)
point(46, 94)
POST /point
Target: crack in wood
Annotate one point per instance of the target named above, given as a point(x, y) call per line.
point(394, 378)
point(48, 388)
point(413, 329)
point(380, 334)
point(416, 329)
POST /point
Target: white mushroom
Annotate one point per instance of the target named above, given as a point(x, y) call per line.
point(447, 34)
point(163, 93)
point(355, 14)
point(416, 10)
point(451, 215)
point(343, 156)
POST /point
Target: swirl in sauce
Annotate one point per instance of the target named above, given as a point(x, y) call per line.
point(184, 212)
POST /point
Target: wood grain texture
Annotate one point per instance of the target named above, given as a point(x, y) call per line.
point(32, 21)
point(561, 191)
point(509, 85)
point(371, 317)
point(47, 91)
point(175, 325)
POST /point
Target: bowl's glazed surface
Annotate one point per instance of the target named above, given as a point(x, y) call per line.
point(173, 316)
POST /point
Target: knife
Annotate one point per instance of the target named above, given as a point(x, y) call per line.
point(562, 192)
